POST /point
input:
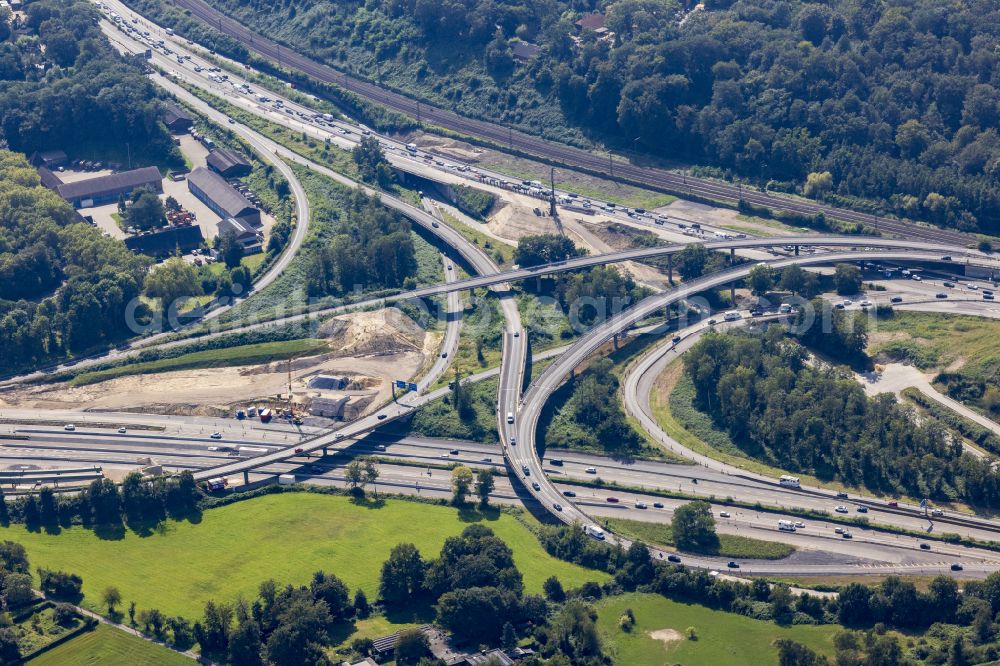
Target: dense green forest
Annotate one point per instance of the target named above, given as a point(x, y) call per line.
point(815, 420)
point(62, 86)
point(64, 286)
point(896, 99)
point(371, 247)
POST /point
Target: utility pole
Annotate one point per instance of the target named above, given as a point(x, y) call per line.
point(510, 138)
point(418, 111)
point(611, 164)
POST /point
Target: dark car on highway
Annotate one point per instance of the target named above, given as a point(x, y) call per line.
point(733, 565)
point(673, 558)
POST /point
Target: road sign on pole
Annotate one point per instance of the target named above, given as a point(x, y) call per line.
point(400, 383)
point(412, 387)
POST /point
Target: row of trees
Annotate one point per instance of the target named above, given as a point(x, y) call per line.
point(139, 503)
point(816, 420)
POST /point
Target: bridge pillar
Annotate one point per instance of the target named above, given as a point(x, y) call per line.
point(670, 268)
point(324, 451)
point(796, 250)
point(732, 256)
point(732, 292)
point(615, 341)
point(246, 478)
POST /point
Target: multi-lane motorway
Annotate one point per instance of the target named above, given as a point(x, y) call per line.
point(518, 414)
point(548, 151)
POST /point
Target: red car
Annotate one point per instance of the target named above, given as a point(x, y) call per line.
point(613, 500)
point(298, 450)
point(893, 504)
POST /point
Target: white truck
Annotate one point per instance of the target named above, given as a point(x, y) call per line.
point(787, 481)
point(594, 531)
point(786, 526)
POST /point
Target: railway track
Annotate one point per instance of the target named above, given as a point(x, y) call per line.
point(550, 151)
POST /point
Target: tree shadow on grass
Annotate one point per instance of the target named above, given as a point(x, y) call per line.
point(419, 611)
point(367, 502)
point(110, 531)
point(341, 631)
point(471, 513)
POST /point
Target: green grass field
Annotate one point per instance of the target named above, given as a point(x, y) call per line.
point(935, 341)
point(264, 352)
point(107, 646)
point(724, 639)
point(730, 545)
point(284, 536)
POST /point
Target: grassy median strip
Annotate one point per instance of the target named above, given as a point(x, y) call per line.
point(256, 354)
point(730, 545)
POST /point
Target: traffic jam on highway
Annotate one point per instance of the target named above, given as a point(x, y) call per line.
point(219, 452)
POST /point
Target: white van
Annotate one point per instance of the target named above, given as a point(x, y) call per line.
point(786, 526)
point(733, 315)
point(594, 531)
point(510, 417)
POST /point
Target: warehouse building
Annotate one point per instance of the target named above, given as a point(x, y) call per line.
point(176, 119)
point(221, 197)
point(48, 178)
point(246, 234)
point(50, 159)
point(107, 189)
point(166, 241)
point(228, 164)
